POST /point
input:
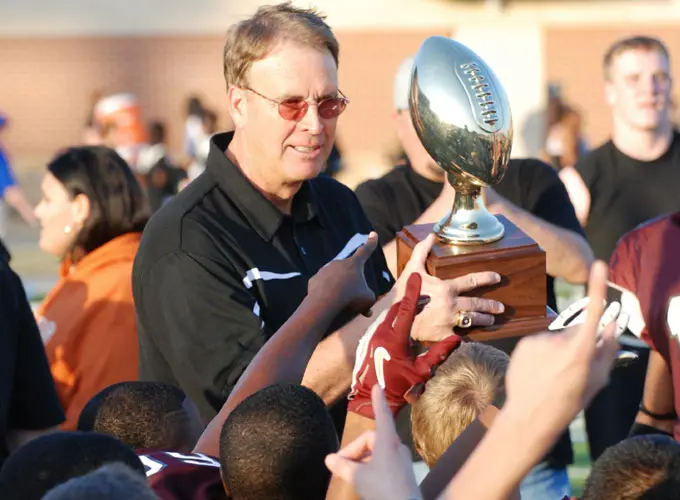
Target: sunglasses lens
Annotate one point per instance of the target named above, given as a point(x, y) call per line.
point(331, 108)
point(293, 109)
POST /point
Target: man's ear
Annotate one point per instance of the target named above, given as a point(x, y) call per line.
point(236, 101)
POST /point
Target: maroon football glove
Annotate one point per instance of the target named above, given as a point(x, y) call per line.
point(386, 356)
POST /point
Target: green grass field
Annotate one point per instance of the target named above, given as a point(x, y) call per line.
point(579, 471)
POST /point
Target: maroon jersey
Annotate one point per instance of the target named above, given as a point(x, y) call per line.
point(647, 262)
point(175, 476)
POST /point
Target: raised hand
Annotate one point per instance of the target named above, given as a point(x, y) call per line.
point(343, 282)
point(447, 307)
point(377, 464)
point(386, 356)
point(564, 371)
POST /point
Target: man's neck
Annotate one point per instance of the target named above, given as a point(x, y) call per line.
point(643, 145)
point(275, 192)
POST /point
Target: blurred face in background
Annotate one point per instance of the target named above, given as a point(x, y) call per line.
point(639, 89)
point(61, 217)
point(418, 157)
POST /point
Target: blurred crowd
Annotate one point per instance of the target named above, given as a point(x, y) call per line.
point(234, 322)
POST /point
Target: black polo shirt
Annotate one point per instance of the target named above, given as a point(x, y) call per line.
point(220, 269)
point(28, 398)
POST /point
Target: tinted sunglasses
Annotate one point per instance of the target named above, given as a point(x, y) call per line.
point(295, 108)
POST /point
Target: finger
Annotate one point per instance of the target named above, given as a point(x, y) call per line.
point(479, 319)
point(364, 251)
point(470, 304)
point(342, 467)
point(407, 310)
point(384, 423)
point(421, 251)
point(474, 280)
point(368, 313)
point(360, 447)
point(436, 355)
point(597, 290)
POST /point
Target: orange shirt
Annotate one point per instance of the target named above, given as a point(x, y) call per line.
point(92, 316)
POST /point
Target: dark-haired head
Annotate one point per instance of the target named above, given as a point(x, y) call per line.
point(642, 467)
point(144, 415)
point(274, 443)
point(45, 462)
point(90, 197)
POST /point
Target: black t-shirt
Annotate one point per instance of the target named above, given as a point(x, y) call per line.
point(401, 196)
point(625, 192)
point(28, 399)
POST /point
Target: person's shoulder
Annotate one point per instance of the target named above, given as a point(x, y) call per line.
point(595, 157)
point(396, 176)
point(530, 166)
point(167, 228)
point(651, 230)
point(178, 475)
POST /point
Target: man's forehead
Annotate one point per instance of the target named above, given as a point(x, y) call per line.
point(640, 60)
point(293, 70)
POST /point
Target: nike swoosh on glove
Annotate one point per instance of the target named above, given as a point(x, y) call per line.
point(386, 356)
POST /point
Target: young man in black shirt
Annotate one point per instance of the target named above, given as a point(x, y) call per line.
point(226, 262)
point(29, 405)
point(633, 177)
point(530, 195)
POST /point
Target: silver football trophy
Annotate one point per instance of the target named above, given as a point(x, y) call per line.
point(462, 117)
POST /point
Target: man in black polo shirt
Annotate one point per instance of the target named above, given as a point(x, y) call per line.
point(226, 262)
point(29, 405)
point(530, 195)
point(630, 179)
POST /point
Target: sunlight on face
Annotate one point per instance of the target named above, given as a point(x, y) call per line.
point(55, 212)
point(291, 152)
point(639, 89)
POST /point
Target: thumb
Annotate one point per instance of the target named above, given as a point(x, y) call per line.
point(436, 355)
point(421, 251)
point(364, 251)
point(341, 467)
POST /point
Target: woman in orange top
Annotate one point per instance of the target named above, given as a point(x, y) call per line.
point(91, 214)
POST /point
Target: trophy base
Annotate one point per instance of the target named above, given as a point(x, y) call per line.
point(469, 227)
point(516, 257)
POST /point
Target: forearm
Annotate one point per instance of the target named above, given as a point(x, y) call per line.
point(281, 360)
point(568, 254)
point(355, 426)
point(329, 371)
point(15, 198)
point(497, 456)
point(456, 455)
point(666, 426)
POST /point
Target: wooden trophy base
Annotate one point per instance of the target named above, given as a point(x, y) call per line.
point(516, 257)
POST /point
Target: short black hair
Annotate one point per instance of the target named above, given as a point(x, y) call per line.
point(110, 482)
point(273, 445)
point(642, 467)
point(118, 204)
point(144, 415)
point(52, 459)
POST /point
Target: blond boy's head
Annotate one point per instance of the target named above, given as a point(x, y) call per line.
point(464, 385)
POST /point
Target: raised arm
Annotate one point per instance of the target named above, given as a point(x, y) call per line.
point(284, 357)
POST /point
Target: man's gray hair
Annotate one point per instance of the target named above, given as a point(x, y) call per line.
point(113, 481)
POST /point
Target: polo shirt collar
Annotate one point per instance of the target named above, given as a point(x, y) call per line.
point(261, 213)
